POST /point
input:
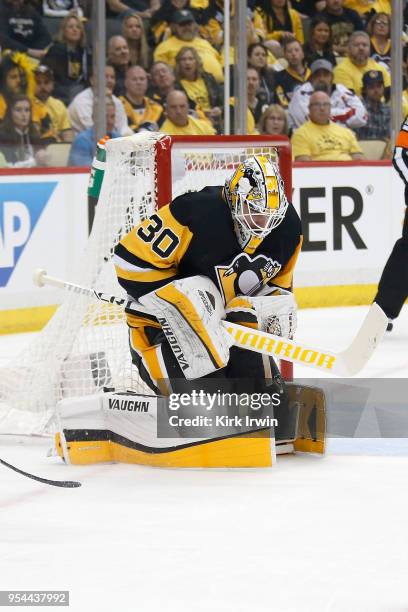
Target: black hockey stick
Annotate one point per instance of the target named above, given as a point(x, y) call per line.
point(68, 484)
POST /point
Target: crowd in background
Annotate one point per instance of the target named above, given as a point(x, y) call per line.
point(318, 71)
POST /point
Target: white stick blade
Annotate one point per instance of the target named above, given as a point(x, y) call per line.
point(370, 334)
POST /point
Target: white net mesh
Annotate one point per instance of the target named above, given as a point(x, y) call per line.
point(84, 347)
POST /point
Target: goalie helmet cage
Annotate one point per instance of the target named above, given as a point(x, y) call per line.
point(84, 347)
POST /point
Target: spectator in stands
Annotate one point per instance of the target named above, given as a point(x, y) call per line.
point(343, 22)
point(119, 58)
point(250, 120)
point(22, 29)
point(366, 8)
point(62, 8)
point(308, 7)
point(257, 98)
point(349, 72)
point(134, 34)
point(17, 77)
point(319, 139)
point(83, 147)
point(274, 20)
point(20, 140)
point(295, 74)
point(274, 121)
point(81, 108)
point(69, 59)
point(379, 30)
point(320, 43)
point(346, 107)
point(140, 110)
point(204, 13)
point(200, 87)
point(144, 8)
point(178, 120)
point(184, 29)
point(378, 125)
point(258, 59)
point(14, 79)
point(60, 122)
point(163, 81)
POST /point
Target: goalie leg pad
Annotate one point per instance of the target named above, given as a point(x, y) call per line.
point(122, 427)
point(311, 426)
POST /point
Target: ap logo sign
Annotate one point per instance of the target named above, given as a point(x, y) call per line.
point(21, 206)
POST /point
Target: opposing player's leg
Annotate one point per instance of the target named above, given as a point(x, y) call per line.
point(393, 286)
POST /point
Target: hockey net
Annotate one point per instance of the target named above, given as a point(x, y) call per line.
point(84, 347)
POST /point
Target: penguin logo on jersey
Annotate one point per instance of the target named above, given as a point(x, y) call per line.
point(245, 275)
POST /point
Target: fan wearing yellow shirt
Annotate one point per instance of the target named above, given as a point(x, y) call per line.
point(179, 122)
point(58, 112)
point(185, 30)
point(349, 72)
point(319, 139)
point(367, 7)
point(139, 108)
point(200, 86)
point(277, 20)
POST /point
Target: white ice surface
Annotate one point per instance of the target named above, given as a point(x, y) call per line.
point(313, 534)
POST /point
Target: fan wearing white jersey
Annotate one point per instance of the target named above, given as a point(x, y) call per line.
point(347, 108)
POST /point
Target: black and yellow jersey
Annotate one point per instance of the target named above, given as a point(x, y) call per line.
point(194, 235)
point(286, 81)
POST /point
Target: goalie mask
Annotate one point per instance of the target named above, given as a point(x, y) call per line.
point(256, 196)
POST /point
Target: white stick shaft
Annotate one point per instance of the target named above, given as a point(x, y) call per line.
point(346, 363)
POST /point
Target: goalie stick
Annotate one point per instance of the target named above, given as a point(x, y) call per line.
point(67, 484)
point(345, 363)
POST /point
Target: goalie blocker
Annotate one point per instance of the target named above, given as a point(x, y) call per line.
point(188, 341)
point(123, 427)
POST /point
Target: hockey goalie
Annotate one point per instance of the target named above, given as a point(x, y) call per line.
point(222, 252)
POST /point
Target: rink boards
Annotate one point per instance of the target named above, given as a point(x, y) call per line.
point(351, 216)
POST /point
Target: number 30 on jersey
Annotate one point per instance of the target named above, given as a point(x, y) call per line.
point(162, 240)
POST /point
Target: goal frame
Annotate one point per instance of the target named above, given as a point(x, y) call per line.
point(84, 348)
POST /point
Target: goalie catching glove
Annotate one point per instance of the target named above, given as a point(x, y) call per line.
point(189, 311)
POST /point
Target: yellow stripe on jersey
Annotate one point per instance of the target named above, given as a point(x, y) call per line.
point(240, 310)
point(172, 295)
point(285, 277)
point(252, 245)
point(148, 276)
point(239, 302)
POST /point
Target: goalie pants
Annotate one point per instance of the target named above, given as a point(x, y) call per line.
point(393, 285)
